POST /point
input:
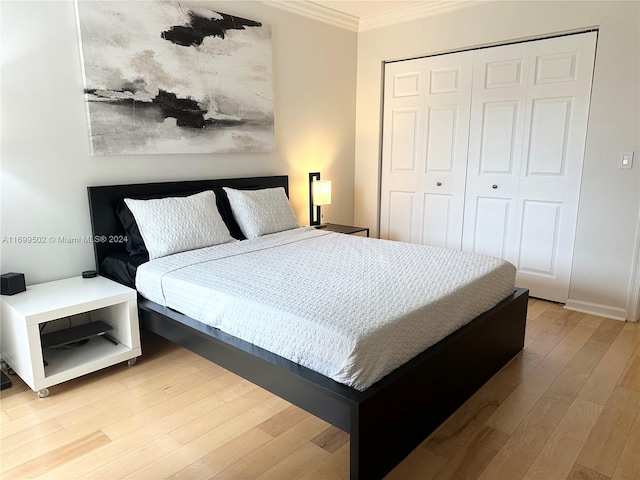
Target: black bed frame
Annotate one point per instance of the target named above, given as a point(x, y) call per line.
point(386, 421)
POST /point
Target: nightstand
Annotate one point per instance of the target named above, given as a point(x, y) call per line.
point(54, 306)
point(348, 229)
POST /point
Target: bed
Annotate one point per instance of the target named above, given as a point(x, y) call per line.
point(387, 418)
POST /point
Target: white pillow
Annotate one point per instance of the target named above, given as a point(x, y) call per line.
point(176, 224)
point(259, 212)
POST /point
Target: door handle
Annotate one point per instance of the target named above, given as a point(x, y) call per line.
point(439, 184)
point(494, 186)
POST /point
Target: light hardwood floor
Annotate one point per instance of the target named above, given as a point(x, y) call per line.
point(567, 407)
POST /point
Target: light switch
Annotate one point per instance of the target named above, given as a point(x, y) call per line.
point(625, 160)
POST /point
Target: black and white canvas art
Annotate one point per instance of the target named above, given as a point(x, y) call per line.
point(173, 77)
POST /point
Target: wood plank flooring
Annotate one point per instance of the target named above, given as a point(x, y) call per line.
point(567, 407)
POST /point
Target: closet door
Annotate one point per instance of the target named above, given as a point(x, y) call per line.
point(495, 149)
point(528, 130)
point(425, 138)
point(555, 133)
point(402, 149)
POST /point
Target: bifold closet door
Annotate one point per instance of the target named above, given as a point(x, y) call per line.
point(483, 150)
point(530, 104)
point(425, 138)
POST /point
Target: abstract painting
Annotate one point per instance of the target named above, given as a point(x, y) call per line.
point(173, 77)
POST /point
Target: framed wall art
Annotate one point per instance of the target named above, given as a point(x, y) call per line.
point(173, 77)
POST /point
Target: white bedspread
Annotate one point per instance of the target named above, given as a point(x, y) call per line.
point(349, 307)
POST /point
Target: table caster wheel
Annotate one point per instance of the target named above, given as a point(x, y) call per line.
point(132, 361)
point(43, 393)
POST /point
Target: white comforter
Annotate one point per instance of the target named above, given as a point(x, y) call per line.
point(349, 307)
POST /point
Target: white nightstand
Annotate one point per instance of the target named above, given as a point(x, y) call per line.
point(77, 300)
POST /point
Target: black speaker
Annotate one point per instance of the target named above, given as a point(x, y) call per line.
point(12, 283)
point(6, 383)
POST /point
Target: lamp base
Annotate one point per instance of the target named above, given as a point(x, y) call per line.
point(314, 211)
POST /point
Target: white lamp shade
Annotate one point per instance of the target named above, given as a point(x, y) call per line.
point(321, 192)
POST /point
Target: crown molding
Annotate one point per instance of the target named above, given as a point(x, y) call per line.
point(321, 13)
point(427, 9)
point(316, 12)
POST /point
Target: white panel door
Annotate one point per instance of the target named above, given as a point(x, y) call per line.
point(402, 148)
point(555, 130)
point(495, 149)
point(425, 139)
point(528, 129)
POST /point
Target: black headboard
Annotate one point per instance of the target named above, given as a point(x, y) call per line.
point(103, 201)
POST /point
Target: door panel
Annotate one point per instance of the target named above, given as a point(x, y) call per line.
point(491, 222)
point(495, 149)
point(446, 140)
point(499, 127)
point(402, 149)
point(400, 220)
point(548, 136)
point(437, 213)
point(505, 73)
point(559, 67)
point(556, 114)
point(430, 141)
point(404, 140)
point(407, 84)
point(539, 240)
point(444, 80)
point(441, 134)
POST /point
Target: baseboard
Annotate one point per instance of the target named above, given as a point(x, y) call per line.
point(597, 309)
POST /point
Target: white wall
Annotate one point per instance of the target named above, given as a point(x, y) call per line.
point(44, 152)
point(610, 198)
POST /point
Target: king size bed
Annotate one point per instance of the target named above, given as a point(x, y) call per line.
point(382, 339)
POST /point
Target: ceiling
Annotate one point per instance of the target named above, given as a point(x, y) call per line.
point(359, 15)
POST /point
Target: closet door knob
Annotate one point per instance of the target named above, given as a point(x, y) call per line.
point(494, 186)
point(439, 184)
